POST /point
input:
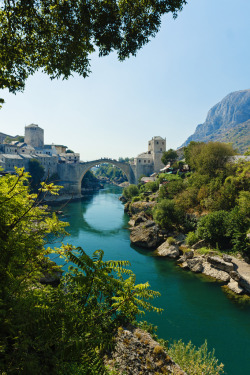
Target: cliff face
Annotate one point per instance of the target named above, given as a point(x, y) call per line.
point(227, 121)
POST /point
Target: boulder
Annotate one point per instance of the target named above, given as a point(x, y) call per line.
point(244, 282)
point(195, 264)
point(131, 222)
point(185, 256)
point(227, 258)
point(220, 264)
point(211, 271)
point(145, 235)
point(167, 250)
point(235, 275)
point(234, 286)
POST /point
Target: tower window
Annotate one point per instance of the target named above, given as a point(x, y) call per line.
point(157, 142)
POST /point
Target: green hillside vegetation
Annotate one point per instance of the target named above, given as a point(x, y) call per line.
point(212, 202)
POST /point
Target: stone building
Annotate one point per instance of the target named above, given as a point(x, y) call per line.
point(149, 162)
point(18, 154)
point(34, 136)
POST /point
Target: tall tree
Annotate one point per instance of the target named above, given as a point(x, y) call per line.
point(169, 156)
point(58, 36)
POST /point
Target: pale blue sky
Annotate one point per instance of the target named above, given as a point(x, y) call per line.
point(166, 90)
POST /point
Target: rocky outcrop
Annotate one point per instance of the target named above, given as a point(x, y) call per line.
point(136, 353)
point(227, 121)
point(210, 270)
point(145, 235)
point(167, 250)
point(220, 264)
point(227, 269)
point(234, 286)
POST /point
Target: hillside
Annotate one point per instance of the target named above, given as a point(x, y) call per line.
point(227, 121)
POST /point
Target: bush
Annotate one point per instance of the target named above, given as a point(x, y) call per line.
point(136, 199)
point(191, 238)
point(195, 361)
point(167, 214)
point(213, 229)
point(130, 191)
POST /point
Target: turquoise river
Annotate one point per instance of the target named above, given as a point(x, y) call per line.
point(195, 308)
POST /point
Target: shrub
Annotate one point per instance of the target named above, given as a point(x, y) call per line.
point(213, 228)
point(136, 199)
point(171, 240)
point(195, 361)
point(130, 191)
point(192, 238)
point(167, 214)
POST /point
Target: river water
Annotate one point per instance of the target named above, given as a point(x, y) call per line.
point(195, 308)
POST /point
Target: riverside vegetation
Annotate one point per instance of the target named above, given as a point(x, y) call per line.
point(209, 206)
point(61, 324)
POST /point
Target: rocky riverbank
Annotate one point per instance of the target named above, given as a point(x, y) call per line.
point(137, 353)
point(233, 271)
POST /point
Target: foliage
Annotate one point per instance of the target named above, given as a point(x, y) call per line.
point(169, 156)
point(195, 361)
point(167, 214)
point(68, 151)
point(18, 138)
point(63, 329)
point(151, 186)
point(208, 158)
point(111, 172)
point(58, 36)
point(36, 171)
point(225, 229)
point(130, 191)
point(191, 238)
point(89, 180)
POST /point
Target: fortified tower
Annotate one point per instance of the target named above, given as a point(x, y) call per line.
point(156, 147)
point(34, 136)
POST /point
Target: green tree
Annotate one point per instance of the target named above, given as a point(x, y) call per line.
point(58, 36)
point(169, 156)
point(63, 329)
point(167, 214)
point(208, 158)
point(36, 171)
point(130, 191)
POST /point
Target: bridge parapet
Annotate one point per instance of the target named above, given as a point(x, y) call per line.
point(71, 175)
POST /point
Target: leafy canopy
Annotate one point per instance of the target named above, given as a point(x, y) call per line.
point(66, 328)
point(58, 36)
point(169, 156)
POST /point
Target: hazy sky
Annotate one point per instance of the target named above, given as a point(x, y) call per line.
point(166, 90)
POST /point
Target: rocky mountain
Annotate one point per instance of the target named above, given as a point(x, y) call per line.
point(227, 121)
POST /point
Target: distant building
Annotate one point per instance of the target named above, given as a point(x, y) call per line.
point(34, 136)
point(149, 162)
point(18, 154)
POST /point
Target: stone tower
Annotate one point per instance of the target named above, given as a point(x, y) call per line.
point(156, 147)
point(34, 136)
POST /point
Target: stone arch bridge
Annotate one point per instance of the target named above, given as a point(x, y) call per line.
point(71, 175)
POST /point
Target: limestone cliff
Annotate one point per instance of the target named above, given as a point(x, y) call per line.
point(227, 121)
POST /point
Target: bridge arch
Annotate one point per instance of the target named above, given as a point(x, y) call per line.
point(86, 166)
